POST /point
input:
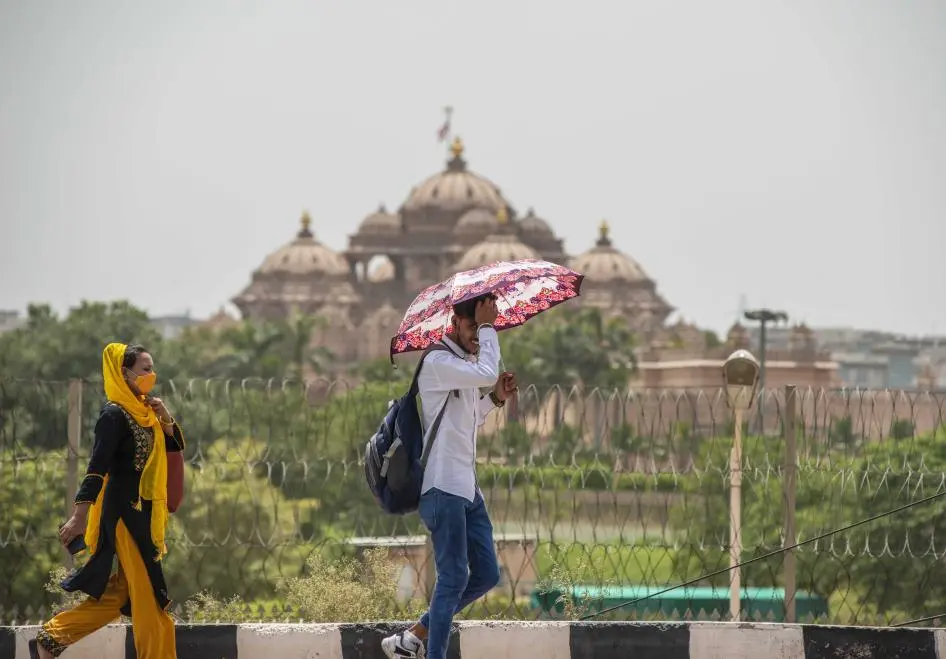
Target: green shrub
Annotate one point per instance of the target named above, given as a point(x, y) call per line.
point(591, 478)
point(338, 588)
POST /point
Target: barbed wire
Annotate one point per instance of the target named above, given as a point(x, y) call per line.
point(771, 554)
point(592, 493)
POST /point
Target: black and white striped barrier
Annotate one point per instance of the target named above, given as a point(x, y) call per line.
point(515, 640)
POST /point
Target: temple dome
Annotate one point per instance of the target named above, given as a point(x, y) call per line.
point(604, 263)
point(534, 226)
point(381, 221)
point(477, 222)
point(500, 246)
point(455, 188)
point(305, 256)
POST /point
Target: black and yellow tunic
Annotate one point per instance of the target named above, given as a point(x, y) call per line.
point(120, 452)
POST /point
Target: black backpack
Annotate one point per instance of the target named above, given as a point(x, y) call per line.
point(395, 456)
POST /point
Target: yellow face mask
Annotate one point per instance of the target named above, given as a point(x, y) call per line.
point(145, 383)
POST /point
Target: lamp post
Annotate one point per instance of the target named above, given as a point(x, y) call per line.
point(764, 317)
point(741, 376)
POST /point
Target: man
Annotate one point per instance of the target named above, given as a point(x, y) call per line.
point(451, 505)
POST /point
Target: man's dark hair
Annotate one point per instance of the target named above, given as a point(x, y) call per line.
point(467, 308)
point(132, 353)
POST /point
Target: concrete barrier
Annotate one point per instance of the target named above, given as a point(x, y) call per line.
point(518, 640)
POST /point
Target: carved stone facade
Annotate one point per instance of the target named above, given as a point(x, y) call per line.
point(452, 221)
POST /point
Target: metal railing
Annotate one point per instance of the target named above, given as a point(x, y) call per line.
point(596, 497)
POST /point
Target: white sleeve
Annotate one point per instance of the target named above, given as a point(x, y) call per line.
point(445, 372)
point(483, 407)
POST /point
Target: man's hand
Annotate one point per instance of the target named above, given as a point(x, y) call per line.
point(486, 312)
point(505, 386)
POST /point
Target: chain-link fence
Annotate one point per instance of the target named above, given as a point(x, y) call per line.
point(597, 497)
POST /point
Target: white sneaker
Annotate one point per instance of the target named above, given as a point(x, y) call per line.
point(403, 645)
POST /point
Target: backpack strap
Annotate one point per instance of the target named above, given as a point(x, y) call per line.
point(436, 347)
point(432, 435)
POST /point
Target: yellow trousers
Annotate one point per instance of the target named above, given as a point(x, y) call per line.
point(153, 628)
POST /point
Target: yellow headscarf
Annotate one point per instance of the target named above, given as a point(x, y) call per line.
point(154, 477)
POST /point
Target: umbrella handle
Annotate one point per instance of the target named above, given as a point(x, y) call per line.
point(514, 403)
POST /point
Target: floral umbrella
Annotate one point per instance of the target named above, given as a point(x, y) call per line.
point(523, 288)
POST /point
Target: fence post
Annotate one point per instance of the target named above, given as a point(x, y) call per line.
point(73, 433)
point(789, 483)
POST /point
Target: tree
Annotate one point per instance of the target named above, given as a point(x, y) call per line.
point(564, 348)
point(236, 533)
point(318, 456)
point(196, 352)
point(381, 370)
point(712, 339)
point(299, 333)
point(282, 349)
point(50, 348)
point(307, 447)
point(39, 358)
point(902, 570)
point(251, 351)
point(572, 346)
point(32, 503)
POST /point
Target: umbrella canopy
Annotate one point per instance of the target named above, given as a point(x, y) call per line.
point(523, 289)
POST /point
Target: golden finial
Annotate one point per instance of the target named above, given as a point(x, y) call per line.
point(604, 228)
point(456, 147)
point(305, 222)
point(502, 216)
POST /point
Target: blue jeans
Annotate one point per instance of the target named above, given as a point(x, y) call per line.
point(465, 556)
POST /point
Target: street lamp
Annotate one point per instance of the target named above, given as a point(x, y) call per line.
point(764, 317)
point(741, 375)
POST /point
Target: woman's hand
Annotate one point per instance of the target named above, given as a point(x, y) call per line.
point(75, 527)
point(164, 416)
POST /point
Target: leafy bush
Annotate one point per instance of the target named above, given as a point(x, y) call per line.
point(593, 478)
point(62, 599)
point(348, 589)
point(561, 581)
point(333, 589)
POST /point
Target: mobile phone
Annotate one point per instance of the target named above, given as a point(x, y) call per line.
point(77, 544)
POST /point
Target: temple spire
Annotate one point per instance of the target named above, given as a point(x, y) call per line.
point(457, 163)
point(305, 223)
point(604, 234)
point(457, 147)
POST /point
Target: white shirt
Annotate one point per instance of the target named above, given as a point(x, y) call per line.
point(451, 465)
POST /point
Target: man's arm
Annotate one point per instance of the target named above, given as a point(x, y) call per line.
point(446, 372)
point(484, 406)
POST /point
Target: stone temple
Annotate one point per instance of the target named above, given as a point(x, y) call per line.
point(453, 220)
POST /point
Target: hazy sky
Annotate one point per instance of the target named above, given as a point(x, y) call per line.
point(158, 151)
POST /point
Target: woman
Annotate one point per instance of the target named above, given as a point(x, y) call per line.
point(122, 510)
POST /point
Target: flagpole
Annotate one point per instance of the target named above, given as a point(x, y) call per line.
point(446, 129)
